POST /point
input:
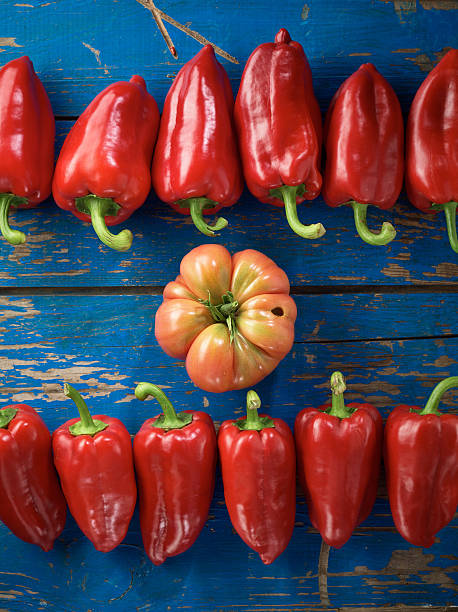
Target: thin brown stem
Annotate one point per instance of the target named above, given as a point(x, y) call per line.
point(162, 29)
point(192, 33)
point(323, 574)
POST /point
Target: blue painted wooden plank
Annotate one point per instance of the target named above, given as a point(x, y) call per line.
point(105, 345)
point(63, 251)
point(220, 573)
point(78, 50)
point(124, 320)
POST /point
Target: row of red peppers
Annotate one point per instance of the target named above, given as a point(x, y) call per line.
point(104, 170)
point(339, 450)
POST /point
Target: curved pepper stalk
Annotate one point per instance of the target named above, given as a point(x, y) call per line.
point(449, 209)
point(432, 404)
point(86, 425)
point(288, 194)
point(196, 208)
point(169, 419)
point(386, 235)
point(99, 208)
point(7, 200)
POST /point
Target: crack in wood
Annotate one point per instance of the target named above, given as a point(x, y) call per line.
point(121, 290)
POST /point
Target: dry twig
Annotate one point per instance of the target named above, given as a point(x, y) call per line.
point(160, 24)
point(189, 32)
point(323, 574)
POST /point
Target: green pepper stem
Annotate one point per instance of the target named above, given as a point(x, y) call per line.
point(14, 237)
point(338, 386)
point(86, 425)
point(6, 416)
point(169, 419)
point(253, 421)
point(288, 194)
point(386, 235)
point(253, 403)
point(196, 207)
point(449, 209)
point(437, 393)
point(98, 209)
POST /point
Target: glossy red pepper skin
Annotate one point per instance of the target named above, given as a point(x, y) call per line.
point(32, 504)
point(432, 137)
point(278, 122)
point(196, 152)
point(421, 463)
point(259, 477)
point(364, 141)
point(432, 144)
point(98, 480)
point(108, 152)
point(27, 130)
point(27, 133)
point(338, 465)
point(176, 478)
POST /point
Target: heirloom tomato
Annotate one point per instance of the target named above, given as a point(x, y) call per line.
point(231, 318)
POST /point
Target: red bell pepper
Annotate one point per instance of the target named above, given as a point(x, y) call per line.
point(421, 463)
point(103, 171)
point(339, 451)
point(26, 142)
point(432, 144)
point(364, 141)
point(278, 121)
point(94, 459)
point(32, 504)
point(196, 167)
point(175, 461)
point(258, 463)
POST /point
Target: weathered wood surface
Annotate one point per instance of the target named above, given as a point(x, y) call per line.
point(105, 346)
point(79, 49)
point(61, 251)
point(72, 310)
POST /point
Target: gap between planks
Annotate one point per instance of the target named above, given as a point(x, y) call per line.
point(295, 290)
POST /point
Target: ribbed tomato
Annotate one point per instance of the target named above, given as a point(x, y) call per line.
point(231, 318)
